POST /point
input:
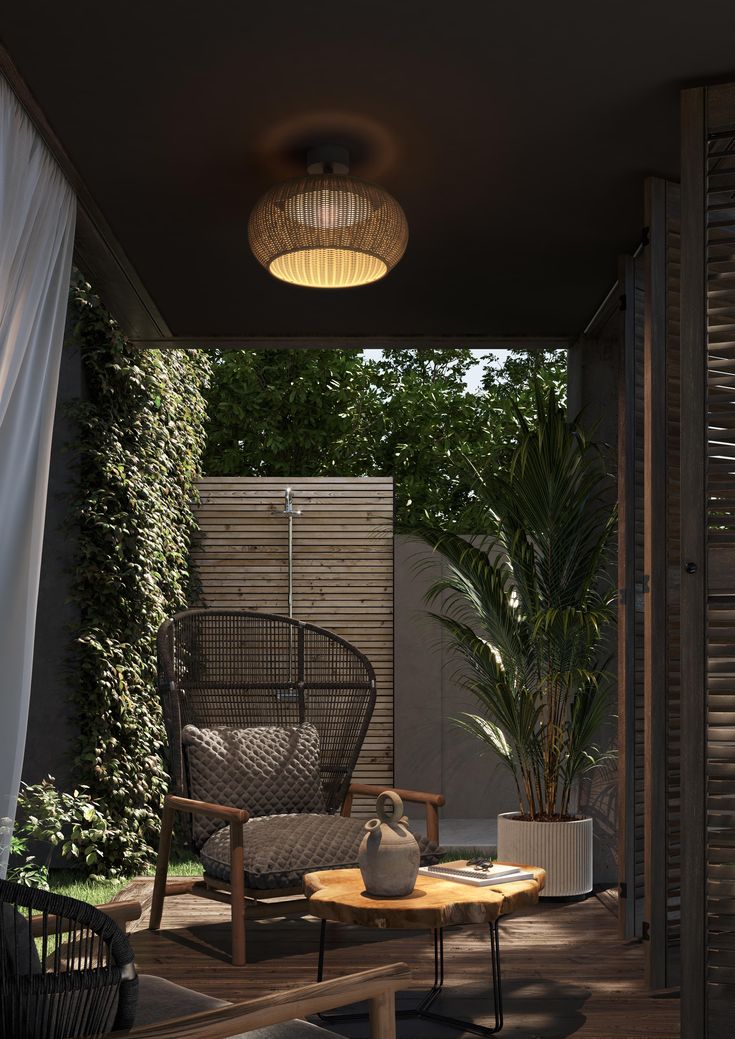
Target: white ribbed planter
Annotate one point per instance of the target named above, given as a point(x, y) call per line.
point(564, 850)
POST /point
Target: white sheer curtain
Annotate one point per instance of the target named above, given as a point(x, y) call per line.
point(37, 212)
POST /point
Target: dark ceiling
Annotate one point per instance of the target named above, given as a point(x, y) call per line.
point(516, 137)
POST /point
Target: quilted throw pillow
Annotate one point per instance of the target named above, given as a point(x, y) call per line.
point(270, 770)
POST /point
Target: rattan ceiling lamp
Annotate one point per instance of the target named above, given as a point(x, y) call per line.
point(328, 230)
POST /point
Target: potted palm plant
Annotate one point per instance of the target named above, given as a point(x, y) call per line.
point(526, 605)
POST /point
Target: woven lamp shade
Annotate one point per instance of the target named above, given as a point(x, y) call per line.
point(328, 231)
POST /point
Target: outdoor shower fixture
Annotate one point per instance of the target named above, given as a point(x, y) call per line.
point(327, 229)
point(290, 512)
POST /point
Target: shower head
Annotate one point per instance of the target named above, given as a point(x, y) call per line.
point(288, 509)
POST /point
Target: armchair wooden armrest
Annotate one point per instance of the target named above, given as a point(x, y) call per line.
point(432, 801)
point(378, 986)
point(214, 811)
point(236, 818)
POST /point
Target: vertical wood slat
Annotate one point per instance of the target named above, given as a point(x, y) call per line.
point(631, 592)
point(662, 567)
point(343, 572)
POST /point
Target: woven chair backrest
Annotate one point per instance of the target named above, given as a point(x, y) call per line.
point(66, 969)
point(243, 669)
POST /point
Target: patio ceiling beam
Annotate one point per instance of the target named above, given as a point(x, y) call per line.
point(354, 342)
point(97, 252)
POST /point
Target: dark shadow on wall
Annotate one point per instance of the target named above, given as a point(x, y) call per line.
point(50, 735)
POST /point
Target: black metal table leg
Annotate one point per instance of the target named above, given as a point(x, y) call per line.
point(423, 1009)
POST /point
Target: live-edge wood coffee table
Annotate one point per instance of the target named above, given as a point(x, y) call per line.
point(339, 895)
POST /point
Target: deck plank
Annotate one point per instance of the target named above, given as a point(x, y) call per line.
point(565, 971)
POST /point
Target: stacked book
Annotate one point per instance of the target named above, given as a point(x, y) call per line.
point(480, 876)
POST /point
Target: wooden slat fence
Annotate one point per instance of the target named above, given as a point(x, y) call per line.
point(342, 572)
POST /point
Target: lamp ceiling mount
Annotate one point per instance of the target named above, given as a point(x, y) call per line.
point(328, 158)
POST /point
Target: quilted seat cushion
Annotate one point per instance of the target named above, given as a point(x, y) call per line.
point(279, 850)
point(268, 769)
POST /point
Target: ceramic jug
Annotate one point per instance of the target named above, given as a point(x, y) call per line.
point(389, 852)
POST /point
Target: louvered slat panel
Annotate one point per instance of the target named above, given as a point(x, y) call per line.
point(708, 563)
point(720, 490)
point(662, 605)
point(631, 583)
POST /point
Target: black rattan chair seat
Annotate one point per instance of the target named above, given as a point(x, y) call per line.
point(280, 849)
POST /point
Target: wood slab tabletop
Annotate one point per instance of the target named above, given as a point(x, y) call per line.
point(339, 894)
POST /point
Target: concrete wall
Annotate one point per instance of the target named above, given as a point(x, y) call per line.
point(50, 740)
point(432, 753)
point(593, 389)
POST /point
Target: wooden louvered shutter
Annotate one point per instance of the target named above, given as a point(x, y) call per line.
point(708, 562)
point(662, 562)
point(630, 611)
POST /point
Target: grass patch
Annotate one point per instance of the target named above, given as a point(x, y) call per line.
point(74, 884)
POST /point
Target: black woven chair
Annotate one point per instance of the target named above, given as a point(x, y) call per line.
point(67, 971)
point(67, 968)
point(249, 700)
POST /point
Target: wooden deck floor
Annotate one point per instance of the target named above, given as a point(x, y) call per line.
point(565, 971)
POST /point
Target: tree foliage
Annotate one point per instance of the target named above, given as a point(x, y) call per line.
point(139, 445)
point(407, 414)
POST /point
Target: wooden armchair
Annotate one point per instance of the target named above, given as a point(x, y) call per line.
point(249, 699)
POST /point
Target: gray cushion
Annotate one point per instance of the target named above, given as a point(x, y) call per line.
point(280, 849)
point(161, 1000)
point(268, 769)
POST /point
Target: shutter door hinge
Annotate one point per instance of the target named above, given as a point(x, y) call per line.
point(646, 931)
point(622, 890)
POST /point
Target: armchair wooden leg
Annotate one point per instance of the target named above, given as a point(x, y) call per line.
point(432, 823)
point(382, 1011)
point(164, 853)
point(237, 892)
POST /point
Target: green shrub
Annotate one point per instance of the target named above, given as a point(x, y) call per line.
point(72, 823)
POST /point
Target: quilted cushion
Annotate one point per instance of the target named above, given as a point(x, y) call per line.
point(279, 850)
point(269, 770)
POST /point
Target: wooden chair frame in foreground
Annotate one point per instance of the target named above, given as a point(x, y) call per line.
point(377, 986)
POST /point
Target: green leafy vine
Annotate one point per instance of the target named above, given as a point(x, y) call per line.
point(139, 445)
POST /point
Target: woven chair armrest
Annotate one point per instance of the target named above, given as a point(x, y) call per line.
point(214, 811)
point(378, 986)
point(411, 796)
